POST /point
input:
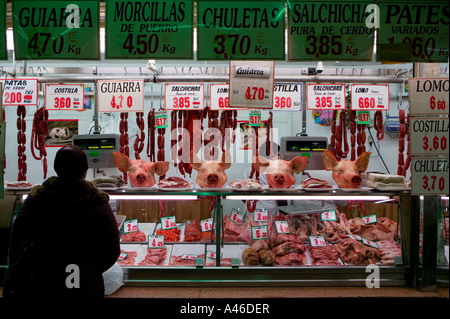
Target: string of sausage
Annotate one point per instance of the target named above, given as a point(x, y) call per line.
point(151, 135)
point(39, 130)
point(21, 139)
point(174, 137)
point(140, 138)
point(269, 137)
point(161, 152)
point(4, 156)
point(255, 154)
point(378, 124)
point(353, 135)
point(341, 137)
point(123, 128)
point(333, 132)
point(408, 154)
point(228, 124)
point(361, 139)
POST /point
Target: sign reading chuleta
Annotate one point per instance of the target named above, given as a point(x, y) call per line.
point(413, 31)
point(56, 29)
point(149, 29)
point(240, 30)
point(334, 30)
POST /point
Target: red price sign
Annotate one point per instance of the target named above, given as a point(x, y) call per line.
point(219, 99)
point(429, 176)
point(168, 222)
point(155, 241)
point(282, 227)
point(189, 256)
point(236, 216)
point(429, 136)
point(317, 241)
point(261, 215)
point(370, 97)
point(207, 224)
point(130, 226)
point(325, 96)
point(122, 256)
point(259, 232)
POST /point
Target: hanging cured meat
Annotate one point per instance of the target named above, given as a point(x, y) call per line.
point(39, 130)
point(123, 128)
point(352, 135)
point(151, 135)
point(404, 130)
point(140, 137)
point(21, 140)
point(378, 124)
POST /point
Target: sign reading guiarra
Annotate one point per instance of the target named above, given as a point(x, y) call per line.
point(149, 29)
point(56, 29)
point(240, 30)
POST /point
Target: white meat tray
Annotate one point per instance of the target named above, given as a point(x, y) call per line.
point(141, 251)
point(192, 249)
point(227, 251)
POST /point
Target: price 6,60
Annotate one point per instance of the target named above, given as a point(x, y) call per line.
point(440, 105)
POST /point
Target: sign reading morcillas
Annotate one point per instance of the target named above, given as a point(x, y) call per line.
point(413, 31)
point(251, 84)
point(325, 96)
point(53, 29)
point(181, 96)
point(67, 97)
point(329, 30)
point(240, 30)
point(157, 29)
point(120, 95)
point(19, 91)
point(3, 50)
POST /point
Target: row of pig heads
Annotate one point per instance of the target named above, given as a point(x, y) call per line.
point(346, 173)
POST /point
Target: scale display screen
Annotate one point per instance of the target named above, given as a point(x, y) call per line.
point(98, 148)
point(305, 146)
point(96, 144)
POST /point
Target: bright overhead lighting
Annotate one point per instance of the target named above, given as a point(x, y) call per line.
point(165, 197)
point(305, 197)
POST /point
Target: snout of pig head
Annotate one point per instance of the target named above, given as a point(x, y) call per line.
point(211, 174)
point(346, 174)
point(280, 173)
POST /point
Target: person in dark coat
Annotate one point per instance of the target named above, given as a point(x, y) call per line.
point(64, 236)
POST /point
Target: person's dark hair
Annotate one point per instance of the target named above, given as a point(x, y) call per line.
point(70, 163)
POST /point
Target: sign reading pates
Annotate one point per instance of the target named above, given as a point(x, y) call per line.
point(120, 95)
point(64, 96)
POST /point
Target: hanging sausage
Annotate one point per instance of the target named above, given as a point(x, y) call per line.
point(38, 133)
point(123, 128)
point(151, 135)
point(140, 137)
point(21, 140)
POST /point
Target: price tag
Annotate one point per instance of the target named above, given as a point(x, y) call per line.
point(189, 256)
point(369, 243)
point(155, 241)
point(261, 215)
point(429, 176)
point(282, 227)
point(325, 96)
point(168, 222)
point(207, 224)
point(362, 117)
point(64, 97)
point(184, 97)
point(329, 216)
point(120, 95)
point(211, 254)
point(130, 226)
point(429, 136)
point(370, 97)
point(122, 256)
point(355, 237)
point(218, 97)
point(161, 119)
point(20, 91)
point(287, 96)
point(236, 216)
point(428, 96)
point(255, 118)
point(317, 241)
point(259, 232)
point(369, 219)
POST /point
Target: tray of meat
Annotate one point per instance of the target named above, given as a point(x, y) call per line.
point(18, 186)
point(134, 254)
point(228, 252)
point(186, 254)
point(139, 236)
point(245, 185)
point(192, 231)
point(171, 235)
point(316, 185)
point(323, 256)
point(155, 256)
point(174, 183)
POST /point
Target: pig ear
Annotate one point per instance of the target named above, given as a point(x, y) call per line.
point(260, 163)
point(362, 161)
point(195, 161)
point(122, 162)
point(329, 160)
point(161, 168)
point(226, 160)
point(298, 164)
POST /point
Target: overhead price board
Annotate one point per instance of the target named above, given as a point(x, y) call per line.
point(370, 97)
point(120, 95)
point(56, 29)
point(157, 29)
point(413, 31)
point(3, 50)
point(240, 30)
point(329, 31)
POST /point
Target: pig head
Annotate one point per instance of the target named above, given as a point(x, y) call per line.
point(346, 174)
point(211, 174)
point(141, 174)
point(280, 173)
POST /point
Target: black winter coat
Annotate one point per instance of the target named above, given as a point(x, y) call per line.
point(72, 231)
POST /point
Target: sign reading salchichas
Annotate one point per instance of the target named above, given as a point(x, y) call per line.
point(329, 31)
point(240, 30)
point(56, 29)
point(149, 29)
point(413, 31)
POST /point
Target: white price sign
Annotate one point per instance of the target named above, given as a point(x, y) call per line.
point(329, 216)
point(261, 216)
point(20, 91)
point(259, 232)
point(370, 243)
point(287, 96)
point(236, 216)
point(130, 226)
point(370, 97)
point(120, 95)
point(168, 222)
point(355, 237)
point(218, 97)
point(189, 256)
point(251, 84)
point(317, 241)
point(428, 96)
point(429, 176)
point(429, 136)
point(325, 96)
point(155, 241)
point(212, 254)
point(369, 219)
point(184, 96)
point(282, 227)
point(64, 97)
point(161, 119)
point(207, 224)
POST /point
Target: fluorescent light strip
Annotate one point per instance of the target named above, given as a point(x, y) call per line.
point(301, 197)
point(168, 197)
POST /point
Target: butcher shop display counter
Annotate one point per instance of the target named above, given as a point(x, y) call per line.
point(318, 238)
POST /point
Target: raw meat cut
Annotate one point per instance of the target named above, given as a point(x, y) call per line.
point(154, 257)
point(289, 247)
point(315, 183)
point(129, 259)
point(324, 256)
point(250, 257)
point(134, 236)
point(180, 261)
point(170, 235)
point(291, 259)
point(193, 231)
point(354, 252)
point(243, 184)
point(173, 182)
point(231, 230)
point(388, 251)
